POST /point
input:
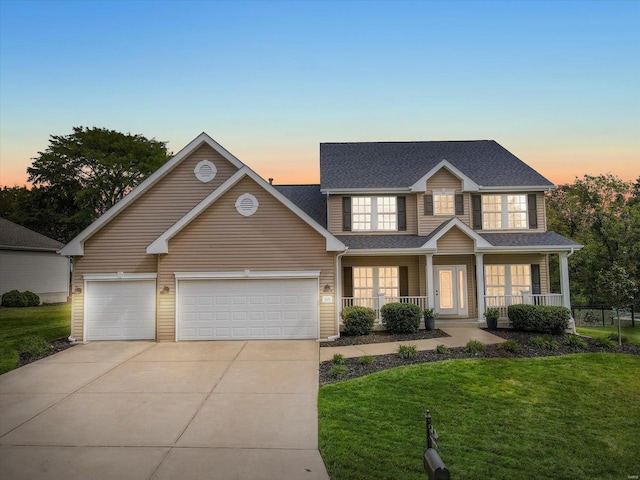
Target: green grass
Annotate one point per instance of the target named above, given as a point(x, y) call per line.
point(631, 334)
point(568, 417)
point(17, 324)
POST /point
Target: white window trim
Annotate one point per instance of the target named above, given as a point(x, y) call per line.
point(448, 193)
point(504, 212)
point(376, 278)
point(508, 286)
point(374, 214)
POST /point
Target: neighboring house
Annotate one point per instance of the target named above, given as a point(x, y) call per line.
point(28, 261)
point(205, 249)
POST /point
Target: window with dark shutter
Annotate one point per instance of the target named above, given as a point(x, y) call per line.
point(428, 204)
point(402, 213)
point(533, 210)
point(347, 282)
point(346, 214)
point(476, 206)
point(403, 281)
point(535, 279)
point(459, 204)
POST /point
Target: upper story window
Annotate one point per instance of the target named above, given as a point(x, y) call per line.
point(504, 212)
point(444, 203)
point(374, 214)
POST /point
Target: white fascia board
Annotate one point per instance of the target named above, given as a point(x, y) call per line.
point(365, 191)
point(161, 244)
point(118, 276)
point(530, 249)
point(468, 185)
point(456, 222)
point(246, 274)
point(76, 246)
point(511, 188)
point(389, 251)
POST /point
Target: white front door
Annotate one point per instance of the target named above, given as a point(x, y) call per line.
point(451, 290)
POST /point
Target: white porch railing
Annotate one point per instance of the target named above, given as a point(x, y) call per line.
point(376, 303)
point(502, 302)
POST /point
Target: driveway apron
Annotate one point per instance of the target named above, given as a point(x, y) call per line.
point(146, 410)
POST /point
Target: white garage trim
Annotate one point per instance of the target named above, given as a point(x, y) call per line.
point(241, 280)
point(146, 286)
point(245, 274)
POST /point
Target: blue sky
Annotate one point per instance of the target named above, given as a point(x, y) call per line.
point(557, 83)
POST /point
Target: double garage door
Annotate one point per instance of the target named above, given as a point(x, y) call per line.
point(206, 309)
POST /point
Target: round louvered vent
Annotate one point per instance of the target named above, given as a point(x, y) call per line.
point(205, 171)
point(247, 204)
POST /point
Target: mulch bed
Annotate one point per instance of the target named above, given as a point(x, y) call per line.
point(384, 362)
point(383, 337)
point(55, 346)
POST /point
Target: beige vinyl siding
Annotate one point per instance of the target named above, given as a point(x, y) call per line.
point(412, 263)
point(335, 216)
point(455, 241)
point(120, 246)
point(221, 240)
point(443, 179)
point(469, 262)
point(43, 273)
point(523, 259)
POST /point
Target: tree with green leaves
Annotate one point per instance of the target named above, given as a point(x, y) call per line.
point(602, 213)
point(618, 289)
point(79, 177)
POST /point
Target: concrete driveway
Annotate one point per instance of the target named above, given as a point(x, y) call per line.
point(146, 410)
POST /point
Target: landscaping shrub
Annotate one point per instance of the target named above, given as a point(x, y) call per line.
point(614, 338)
point(442, 349)
point(34, 346)
point(357, 320)
point(366, 360)
point(510, 346)
point(14, 298)
point(407, 351)
point(474, 346)
point(539, 318)
point(337, 371)
point(401, 317)
point(605, 343)
point(545, 342)
point(31, 298)
point(574, 341)
point(338, 359)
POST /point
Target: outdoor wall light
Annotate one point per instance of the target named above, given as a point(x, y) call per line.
point(327, 288)
point(78, 290)
point(164, 290)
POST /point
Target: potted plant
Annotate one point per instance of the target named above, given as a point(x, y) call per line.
point(492, 314)
point(429, 319)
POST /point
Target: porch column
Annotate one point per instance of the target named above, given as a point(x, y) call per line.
point(431, 292)
point(480, 285)
point(564, 279)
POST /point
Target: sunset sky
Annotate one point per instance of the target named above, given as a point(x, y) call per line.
point(556, 83)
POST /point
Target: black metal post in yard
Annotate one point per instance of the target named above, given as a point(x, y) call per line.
point(433, 464)
point(633, 317)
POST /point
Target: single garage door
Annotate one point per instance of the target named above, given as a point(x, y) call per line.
point(248, 309)
point(121, 310)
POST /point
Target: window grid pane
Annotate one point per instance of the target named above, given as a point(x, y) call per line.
point(443, 203)
point(361, 213)
point(363, 282)
point(492, 212)
point(517, 208)
point(386, 213)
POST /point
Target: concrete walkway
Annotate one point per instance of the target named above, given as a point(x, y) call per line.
point(146, 410)
point(459, 336)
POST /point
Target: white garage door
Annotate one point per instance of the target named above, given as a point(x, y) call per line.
point(121, 310)
point(248, 309)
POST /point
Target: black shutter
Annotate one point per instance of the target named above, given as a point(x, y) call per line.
point(459, 204)
point(346, 214)
point(476, 205)
point(404, 281)
point(347, 282)
point(533, 211)
point(428, 204)
point(402, 213)
point(535, 279)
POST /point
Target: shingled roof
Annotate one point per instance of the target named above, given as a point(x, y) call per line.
point(309, 199)
point(401, 164)
point(17, 237)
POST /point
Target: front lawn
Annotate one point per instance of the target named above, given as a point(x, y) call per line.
point(631, 334)
point(568, 417)
point(49, 322)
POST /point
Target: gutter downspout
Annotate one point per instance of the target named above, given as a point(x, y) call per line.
point(338, 293)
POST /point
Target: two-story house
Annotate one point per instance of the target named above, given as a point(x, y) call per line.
point(206, 249)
